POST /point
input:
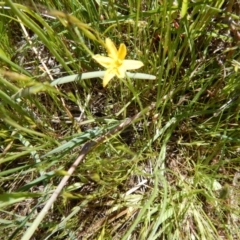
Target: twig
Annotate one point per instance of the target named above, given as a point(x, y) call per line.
point(87, 147)
point(44, 66)
point(37, 53)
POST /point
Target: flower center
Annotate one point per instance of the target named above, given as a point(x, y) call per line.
point(117, 63)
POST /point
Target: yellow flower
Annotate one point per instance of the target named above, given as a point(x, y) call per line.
point(115, 63)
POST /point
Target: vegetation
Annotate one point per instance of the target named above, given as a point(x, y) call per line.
point(139, 158)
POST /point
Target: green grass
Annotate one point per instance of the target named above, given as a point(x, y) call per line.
point(156, 159)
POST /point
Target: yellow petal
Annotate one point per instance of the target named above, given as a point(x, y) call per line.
point(121, 72)
point(111, 48)
point(107, 77)
point(122, 52)
point(132, 64)
point(104, 61)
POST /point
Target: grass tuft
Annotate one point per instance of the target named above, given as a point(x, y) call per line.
point(139, 159)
